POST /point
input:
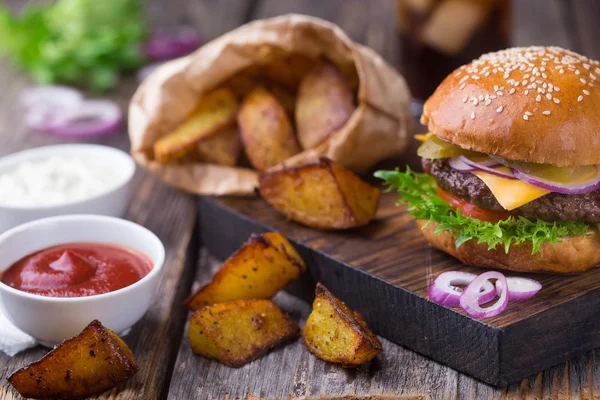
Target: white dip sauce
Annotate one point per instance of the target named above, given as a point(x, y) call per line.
point(55, 181)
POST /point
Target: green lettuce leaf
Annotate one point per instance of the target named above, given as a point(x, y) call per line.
point(418, 191)
point(84, 42)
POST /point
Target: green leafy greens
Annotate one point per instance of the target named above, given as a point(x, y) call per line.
point(418, 191)
point(75, 41)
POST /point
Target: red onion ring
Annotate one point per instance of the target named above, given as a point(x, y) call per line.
point(519, 289)
point(46, 95)
point(460, 165)
point(444, 289)
point(470, 302)
point(92, 117)
point(565, 188)
point(171, 42)
point(486, 168)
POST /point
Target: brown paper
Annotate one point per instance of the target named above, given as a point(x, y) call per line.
point(378, 129)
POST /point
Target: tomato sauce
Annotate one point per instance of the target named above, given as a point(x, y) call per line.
point(471, 210)
point(77, 270)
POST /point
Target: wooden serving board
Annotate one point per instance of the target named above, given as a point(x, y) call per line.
point(383, 270)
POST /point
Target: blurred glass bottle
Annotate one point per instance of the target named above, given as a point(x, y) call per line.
point(438, 36)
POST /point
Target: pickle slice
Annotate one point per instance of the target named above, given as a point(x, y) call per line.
point(434, 148)
point(554, 174)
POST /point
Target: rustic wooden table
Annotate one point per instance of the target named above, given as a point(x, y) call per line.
point(168, 369)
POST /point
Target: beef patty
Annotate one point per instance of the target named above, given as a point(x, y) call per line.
point(551, 207)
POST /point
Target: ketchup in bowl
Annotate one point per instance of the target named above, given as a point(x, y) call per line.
point(77, 270)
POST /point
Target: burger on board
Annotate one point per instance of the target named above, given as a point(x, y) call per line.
point(511, 160)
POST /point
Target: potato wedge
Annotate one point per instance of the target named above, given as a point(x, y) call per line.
point(264, 265)
point(335, 333)
point(238, 332)
point(216, 111)
point(90, 363)
point(288, 70)
point(325, 102)
point(321, 195)
point(222, 148)
point(266, 130)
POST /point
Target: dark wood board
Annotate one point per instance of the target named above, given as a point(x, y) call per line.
point(384, 270)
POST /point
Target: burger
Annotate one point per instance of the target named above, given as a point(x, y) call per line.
point(511, 162)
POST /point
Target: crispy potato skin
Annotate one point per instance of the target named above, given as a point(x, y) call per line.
point(289, 70)
point(266, 130)
point(215, 112)
point(222, 148)
point(258, 270)
point(325, 102)
point(335, 333)
point(321, 195)
point(90, 363)
point(238, 332)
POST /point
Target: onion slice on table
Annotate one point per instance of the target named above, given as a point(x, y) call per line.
point(519, 289)
point(566, 188)
point(170, 42)
point(50, 95)
point(488, 166)
point(92, 117)
point(445, 290)
point(470, 302)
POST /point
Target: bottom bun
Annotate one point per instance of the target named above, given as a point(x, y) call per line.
point(573, 254)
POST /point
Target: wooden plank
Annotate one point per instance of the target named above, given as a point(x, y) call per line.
point(585, 16)
point(155, 338)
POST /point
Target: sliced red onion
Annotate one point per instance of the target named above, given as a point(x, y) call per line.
point(170, 42)
point(565, 188)
point(519, 289)
point(445, 290)
point(92, 117)
point(460, 165)
point(50, 95)
point(144, 72)
point(486, 168)
point(470, 299)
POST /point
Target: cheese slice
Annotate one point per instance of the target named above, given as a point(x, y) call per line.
point(511, 193)
point(422, 137)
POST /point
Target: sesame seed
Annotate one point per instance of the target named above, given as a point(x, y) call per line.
point(488, 102)
point(544, 76)
point(547, 112)
point(511, 91)
point(556, 89)
point(557, 101)
point(499, 109)
point(495, 88)
point(528, 113)
point(562, 71)
point(583, 81)
point(586, 92)
point(593, 77)
point(493, 97)
point(475, 101)
point(577, 72)
point(499, 93)
point(526, 92)
point(580, 98)
point(461, 87)
point(481, 97)
point(548, 96)
point(465, 99)
point(473, 115)
point(524, 82)
point(538, 98)
point(525, 117)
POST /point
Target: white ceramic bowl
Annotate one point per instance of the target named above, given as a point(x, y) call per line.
point(52, 319)
point(113, 202)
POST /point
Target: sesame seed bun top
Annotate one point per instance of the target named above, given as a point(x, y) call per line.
point(534, 104)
